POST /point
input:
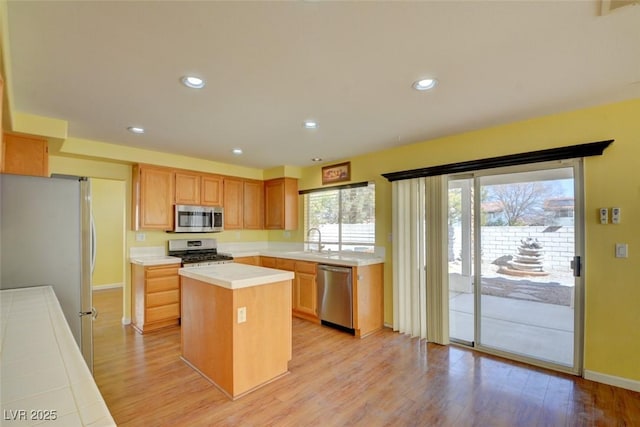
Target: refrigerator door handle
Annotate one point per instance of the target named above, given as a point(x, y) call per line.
point(93, 313)
point(94, 244)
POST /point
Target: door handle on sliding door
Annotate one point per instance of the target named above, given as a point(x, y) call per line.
point(576, 266)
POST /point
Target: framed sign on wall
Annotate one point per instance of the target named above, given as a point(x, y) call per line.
point(336, 173)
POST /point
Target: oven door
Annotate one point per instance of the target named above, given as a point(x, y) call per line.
point(193, 219)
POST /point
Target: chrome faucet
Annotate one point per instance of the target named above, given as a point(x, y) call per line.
point(320, 245)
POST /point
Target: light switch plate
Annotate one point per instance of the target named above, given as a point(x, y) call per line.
point(622, 250)
point(615, 215)
point(604, 215)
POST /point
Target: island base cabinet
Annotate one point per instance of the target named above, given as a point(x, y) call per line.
point(237, 357)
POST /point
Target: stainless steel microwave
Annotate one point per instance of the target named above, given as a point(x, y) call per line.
point(198, 219)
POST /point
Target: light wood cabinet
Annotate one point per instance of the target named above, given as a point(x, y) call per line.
point(155, 296)
point(304, 299)
point(198, 189)
point(243, 204)
point(268, 262)
point(187, 190)
point(367, 285)
point(305, 290)
point(153, 195)
point(25, 155)
point(253, 205)
point(211, 190)
point(281, 204)
point(233, 200)
point(249, 260)
point(1, 126)
point(368, 299)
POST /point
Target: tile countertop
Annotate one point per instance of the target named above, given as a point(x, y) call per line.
point(155, 260)
point(344, 258)
point(236, 276)
point(151, 255)
point(44, 377)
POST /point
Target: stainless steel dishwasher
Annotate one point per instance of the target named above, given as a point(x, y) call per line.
point(335, 296)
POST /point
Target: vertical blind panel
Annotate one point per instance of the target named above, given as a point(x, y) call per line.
point(419, 287)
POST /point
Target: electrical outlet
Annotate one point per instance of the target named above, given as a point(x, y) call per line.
point(140, 237)
point(242, 314)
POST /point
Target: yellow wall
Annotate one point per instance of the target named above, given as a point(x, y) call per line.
point(612, 316)
point(612, 335)
point(108, 207)
point(106, 162)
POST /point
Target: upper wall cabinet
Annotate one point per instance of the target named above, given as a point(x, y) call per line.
point(25, 155)
point(233, 201)
point(281, 204)
point(243, 204)
point(153, 194)
point(212, 190)
point(253, 205)
point(194, 188)
point(187, 188)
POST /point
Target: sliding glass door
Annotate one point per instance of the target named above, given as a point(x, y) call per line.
point(514, 235)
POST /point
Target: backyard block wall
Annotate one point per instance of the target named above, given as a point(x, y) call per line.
point(558, 246)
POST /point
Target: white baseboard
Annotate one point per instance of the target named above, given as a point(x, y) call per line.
point(612, 380)
point(126, 320)
point(108, 286)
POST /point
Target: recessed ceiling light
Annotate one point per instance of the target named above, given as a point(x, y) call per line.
point(310, 124)
point(425, 84)
point(135, 129)
point(237, 151)
point(316, 159)
point(193, 82)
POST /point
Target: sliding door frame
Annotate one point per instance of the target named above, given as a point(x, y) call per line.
point(579, 250)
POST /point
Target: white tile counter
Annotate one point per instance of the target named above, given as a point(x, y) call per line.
point(44, 379)
point(155, 260)
point(344, 258)
point(151, 255)
point(296, 251)
point(236, 276)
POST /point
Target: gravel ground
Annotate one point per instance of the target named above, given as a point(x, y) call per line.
point(556, 288)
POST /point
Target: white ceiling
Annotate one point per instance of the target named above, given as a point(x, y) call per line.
point(104, 66)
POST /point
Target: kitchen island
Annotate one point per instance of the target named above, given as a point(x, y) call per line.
point(236, 324)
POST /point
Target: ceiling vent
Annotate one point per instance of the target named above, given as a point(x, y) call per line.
point(608, 6)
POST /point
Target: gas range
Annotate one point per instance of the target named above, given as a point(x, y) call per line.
point(198, 252)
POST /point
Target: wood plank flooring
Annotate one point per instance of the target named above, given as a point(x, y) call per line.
point(386, 379)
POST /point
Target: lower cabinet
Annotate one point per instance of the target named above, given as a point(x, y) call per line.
point(368, 292)
point(250, 260)
point(155, 296)
point(305, 291)
point(368, 299)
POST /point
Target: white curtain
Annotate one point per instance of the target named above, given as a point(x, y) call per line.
point(420, 303)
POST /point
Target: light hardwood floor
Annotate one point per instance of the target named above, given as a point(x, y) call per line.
point(338, 380)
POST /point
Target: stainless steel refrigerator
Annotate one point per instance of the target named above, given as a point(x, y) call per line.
point(47, 238)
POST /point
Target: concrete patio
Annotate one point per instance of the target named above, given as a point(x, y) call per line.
point(534, 329)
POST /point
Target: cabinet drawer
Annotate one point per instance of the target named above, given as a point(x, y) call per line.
point(152, 272)
point(165, 312)
point(163, 284)
point(163, 298)
point(268, 262)
point(285, 264)
point(306, 267)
